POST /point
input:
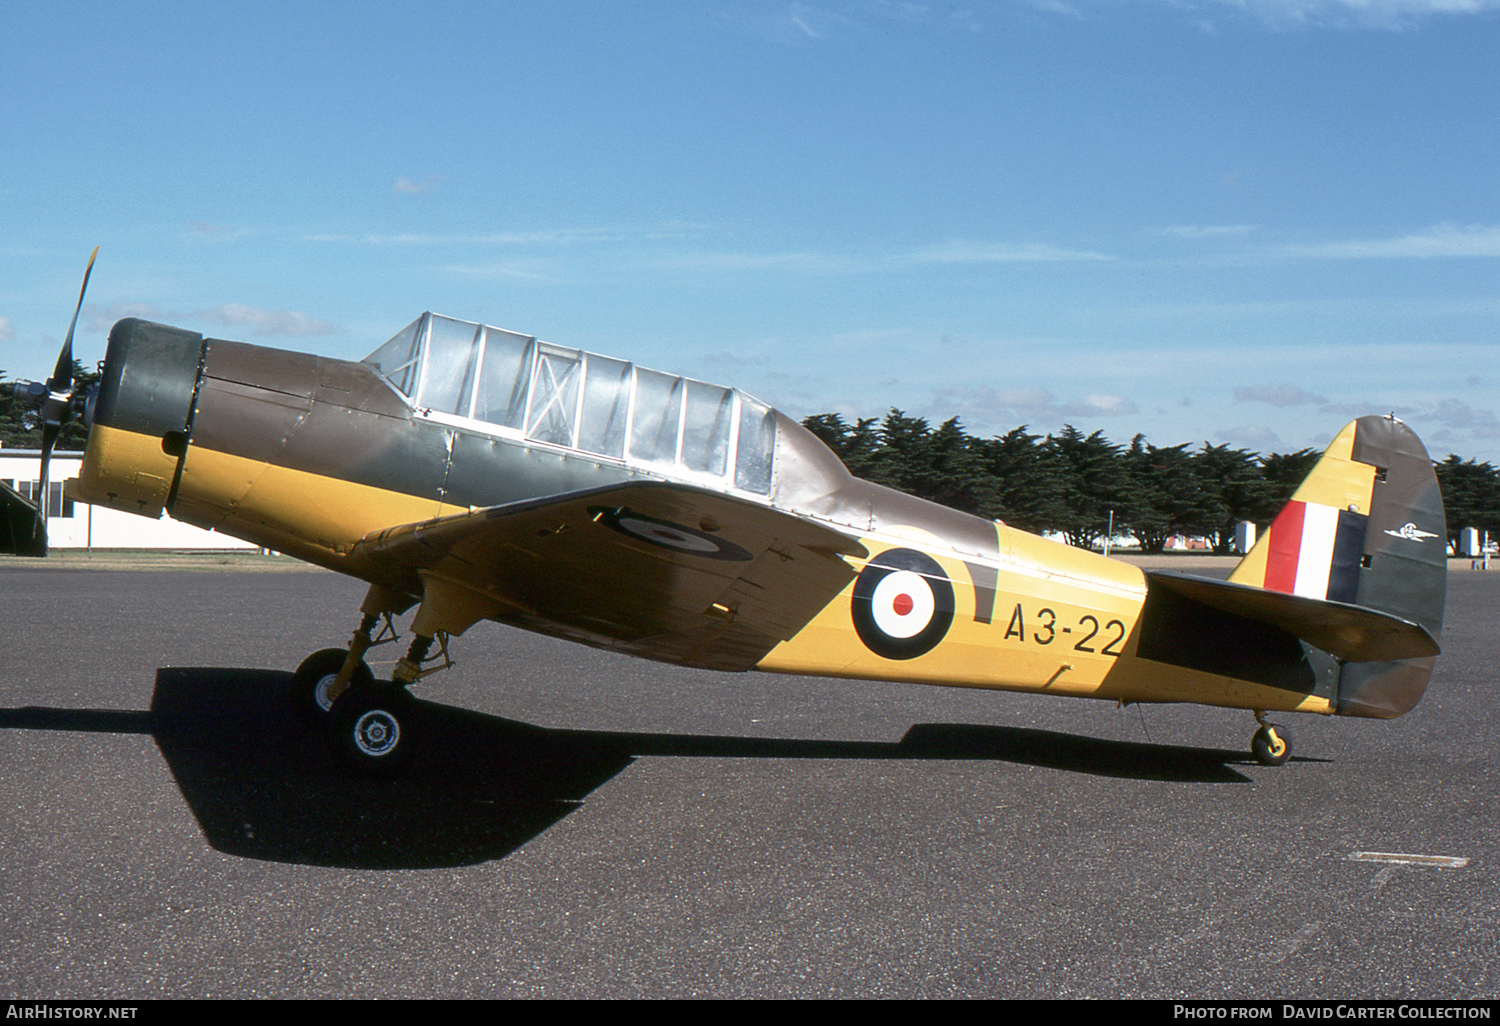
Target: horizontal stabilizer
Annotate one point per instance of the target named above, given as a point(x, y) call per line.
point(1352, 633)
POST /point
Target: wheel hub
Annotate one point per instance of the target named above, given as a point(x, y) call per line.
point(323, 692)
point(377, 733)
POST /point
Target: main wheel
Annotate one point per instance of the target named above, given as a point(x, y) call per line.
point(374, 726)
point(312, 684)
point(1272, 745)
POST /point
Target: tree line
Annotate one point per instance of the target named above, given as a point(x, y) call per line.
point(1080, 485)
point(1069, 483)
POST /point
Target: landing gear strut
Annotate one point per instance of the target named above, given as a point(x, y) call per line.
point(374, 724)
point(315, 685)
point(409, 670)
point(1271, 745)
point(324, 675)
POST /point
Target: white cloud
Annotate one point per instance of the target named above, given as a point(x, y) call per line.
point(1455, 413)
point(210, 230)
point(954, 252)
point(1027, 402)
point(525, 270)
point(1277, 395)
point(102, 318)
point(801, 263)
point(1381, 14)
point(542, 237)
point(6, 331)
point(1297, 14)
point(1440, 241)
point(960, 251)
point(1444, 240)
point(230, 315)
point(652, 246)
point(989, 409)
point(794, 23)
point(801, 15)
point(1256, 437)
point(1207, 231)
point(1056, 7)
point(1100, 406)
point(266, 322)
point(408, 187)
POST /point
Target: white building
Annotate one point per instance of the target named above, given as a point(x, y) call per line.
point(78, 525)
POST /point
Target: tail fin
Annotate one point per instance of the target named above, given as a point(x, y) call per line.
point(1366, 527)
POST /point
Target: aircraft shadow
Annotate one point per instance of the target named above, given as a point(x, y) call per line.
point(263, 785)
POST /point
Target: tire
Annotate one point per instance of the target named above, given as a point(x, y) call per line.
point(374, 727)
point(318, 671)
point(1269, 749)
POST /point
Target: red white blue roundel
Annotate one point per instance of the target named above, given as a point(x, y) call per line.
point(902, 604)
point(667, 534)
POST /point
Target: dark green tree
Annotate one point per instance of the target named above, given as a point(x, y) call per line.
point(938, 465)
point(1235, 476)
point(855, 446)
point(1070, 482)
point(1024, 479)
point(1094, 485)
point(1284, 472)
point(1168, 495)
point(1471, 496)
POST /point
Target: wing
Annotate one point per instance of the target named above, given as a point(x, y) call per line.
point(658, 570)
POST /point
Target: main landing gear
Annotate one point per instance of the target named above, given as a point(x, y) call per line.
point(1271, 745)
point(375, 724)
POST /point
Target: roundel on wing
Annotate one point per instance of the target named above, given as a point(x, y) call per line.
point(902, 605)
point(667, 534)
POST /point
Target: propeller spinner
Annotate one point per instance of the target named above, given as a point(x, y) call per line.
point(50, 406)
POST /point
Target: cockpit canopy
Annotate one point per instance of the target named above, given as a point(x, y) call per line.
point(514, 385)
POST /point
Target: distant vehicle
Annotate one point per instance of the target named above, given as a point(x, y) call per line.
point(477, 473)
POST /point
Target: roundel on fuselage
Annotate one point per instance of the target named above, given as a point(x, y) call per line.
point(902, 604)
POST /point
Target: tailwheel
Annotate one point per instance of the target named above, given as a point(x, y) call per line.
point(1272, 745)
point(313, 691)
point(374, 726)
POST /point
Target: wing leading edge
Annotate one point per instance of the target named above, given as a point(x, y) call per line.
point(662, 571)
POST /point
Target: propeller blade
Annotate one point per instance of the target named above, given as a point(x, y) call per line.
point(62, 375)
point(39, 532)
point(54, 409)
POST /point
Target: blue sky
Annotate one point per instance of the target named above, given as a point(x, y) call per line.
point(1238, 221)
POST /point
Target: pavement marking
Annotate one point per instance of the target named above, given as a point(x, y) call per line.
point(1441, 861)
point(1298, 940)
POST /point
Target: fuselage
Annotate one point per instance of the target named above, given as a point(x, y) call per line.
point(309, 455)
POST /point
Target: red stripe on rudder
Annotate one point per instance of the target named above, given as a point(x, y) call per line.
point(1285, 546)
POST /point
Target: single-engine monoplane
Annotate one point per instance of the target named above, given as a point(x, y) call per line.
point(476, 473)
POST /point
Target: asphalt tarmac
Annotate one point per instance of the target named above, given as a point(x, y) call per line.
point(584, 825)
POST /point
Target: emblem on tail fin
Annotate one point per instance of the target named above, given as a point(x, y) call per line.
point(1410, 532)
